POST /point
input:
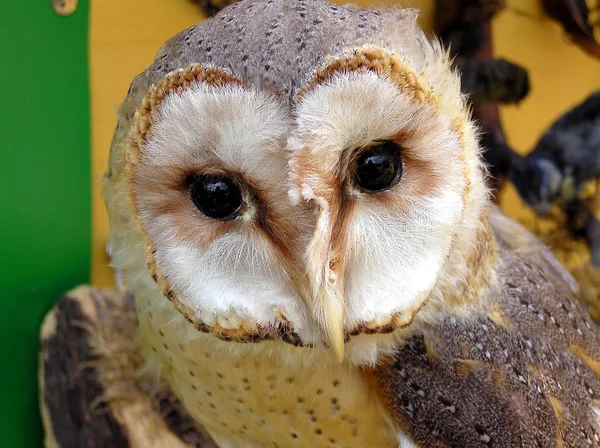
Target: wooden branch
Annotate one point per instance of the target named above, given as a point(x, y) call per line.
point(91, 392)
point(461, 24)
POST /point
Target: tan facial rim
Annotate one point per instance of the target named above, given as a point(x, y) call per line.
point(388, 65)
point(372, 58)
point(376, 59)
point(175, 83)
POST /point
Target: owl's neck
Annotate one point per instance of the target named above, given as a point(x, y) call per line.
point(469, 271)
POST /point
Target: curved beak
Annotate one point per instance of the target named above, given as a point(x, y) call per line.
point(328, 311)
point(325, 297)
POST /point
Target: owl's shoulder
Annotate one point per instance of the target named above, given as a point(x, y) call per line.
point(515, 240)
point(521, 370)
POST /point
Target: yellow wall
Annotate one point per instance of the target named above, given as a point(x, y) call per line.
point(121, 47)
point(561, 76)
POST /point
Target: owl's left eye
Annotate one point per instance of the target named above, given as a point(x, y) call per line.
point(379, 168)
point(216, 196)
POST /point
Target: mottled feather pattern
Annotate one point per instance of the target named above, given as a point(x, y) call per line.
point(455, 325)
point(512, 377)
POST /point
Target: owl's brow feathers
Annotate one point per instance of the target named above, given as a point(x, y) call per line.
point(378, 60)
point(372, 58)
point(386, 64)
point(174, 82)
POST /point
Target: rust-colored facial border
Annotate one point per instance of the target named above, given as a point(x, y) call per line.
point(175, 83)
point(387, 64)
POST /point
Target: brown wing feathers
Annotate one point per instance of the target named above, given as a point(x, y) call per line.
point(522, 373)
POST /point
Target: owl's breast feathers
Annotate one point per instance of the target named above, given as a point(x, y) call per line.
point(523, 372)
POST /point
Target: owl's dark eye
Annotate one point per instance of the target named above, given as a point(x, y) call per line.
point(379, 168)
point(216, 196)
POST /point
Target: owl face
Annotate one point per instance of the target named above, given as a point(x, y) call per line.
point(309, 223)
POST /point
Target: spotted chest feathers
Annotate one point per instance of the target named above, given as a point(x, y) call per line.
point(253, 400)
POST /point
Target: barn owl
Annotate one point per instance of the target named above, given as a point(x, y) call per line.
point(298, 205)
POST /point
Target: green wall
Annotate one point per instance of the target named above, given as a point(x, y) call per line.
point(44, 192)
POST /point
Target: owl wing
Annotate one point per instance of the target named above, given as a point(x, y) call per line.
point(521, 371)
point(513, 236)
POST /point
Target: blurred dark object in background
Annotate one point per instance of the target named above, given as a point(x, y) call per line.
point(211, 7)
point(574, 17)
point(499, 157)
point(461, 24)
point(564, 159)
point(568, 154)
point(583, 224)
point(465, 27)
point(493, 80)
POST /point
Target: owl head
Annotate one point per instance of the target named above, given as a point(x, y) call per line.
point(315, 180)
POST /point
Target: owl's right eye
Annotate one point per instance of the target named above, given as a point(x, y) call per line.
point(216, 196)
point(379, 168)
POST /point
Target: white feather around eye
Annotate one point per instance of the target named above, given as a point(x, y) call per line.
point(233, 127)
point(396, 259)
point(395, 244)
point(232, 275)
point(229, 275)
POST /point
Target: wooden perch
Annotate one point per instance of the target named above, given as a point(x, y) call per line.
point(92, 394)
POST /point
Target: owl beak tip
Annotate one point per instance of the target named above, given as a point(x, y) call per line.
point(333, 326)
point(338, 352)
point(335, 342)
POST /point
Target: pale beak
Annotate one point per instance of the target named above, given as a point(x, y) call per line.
point(328, 311)
point(333, 327)
point(326, 295)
